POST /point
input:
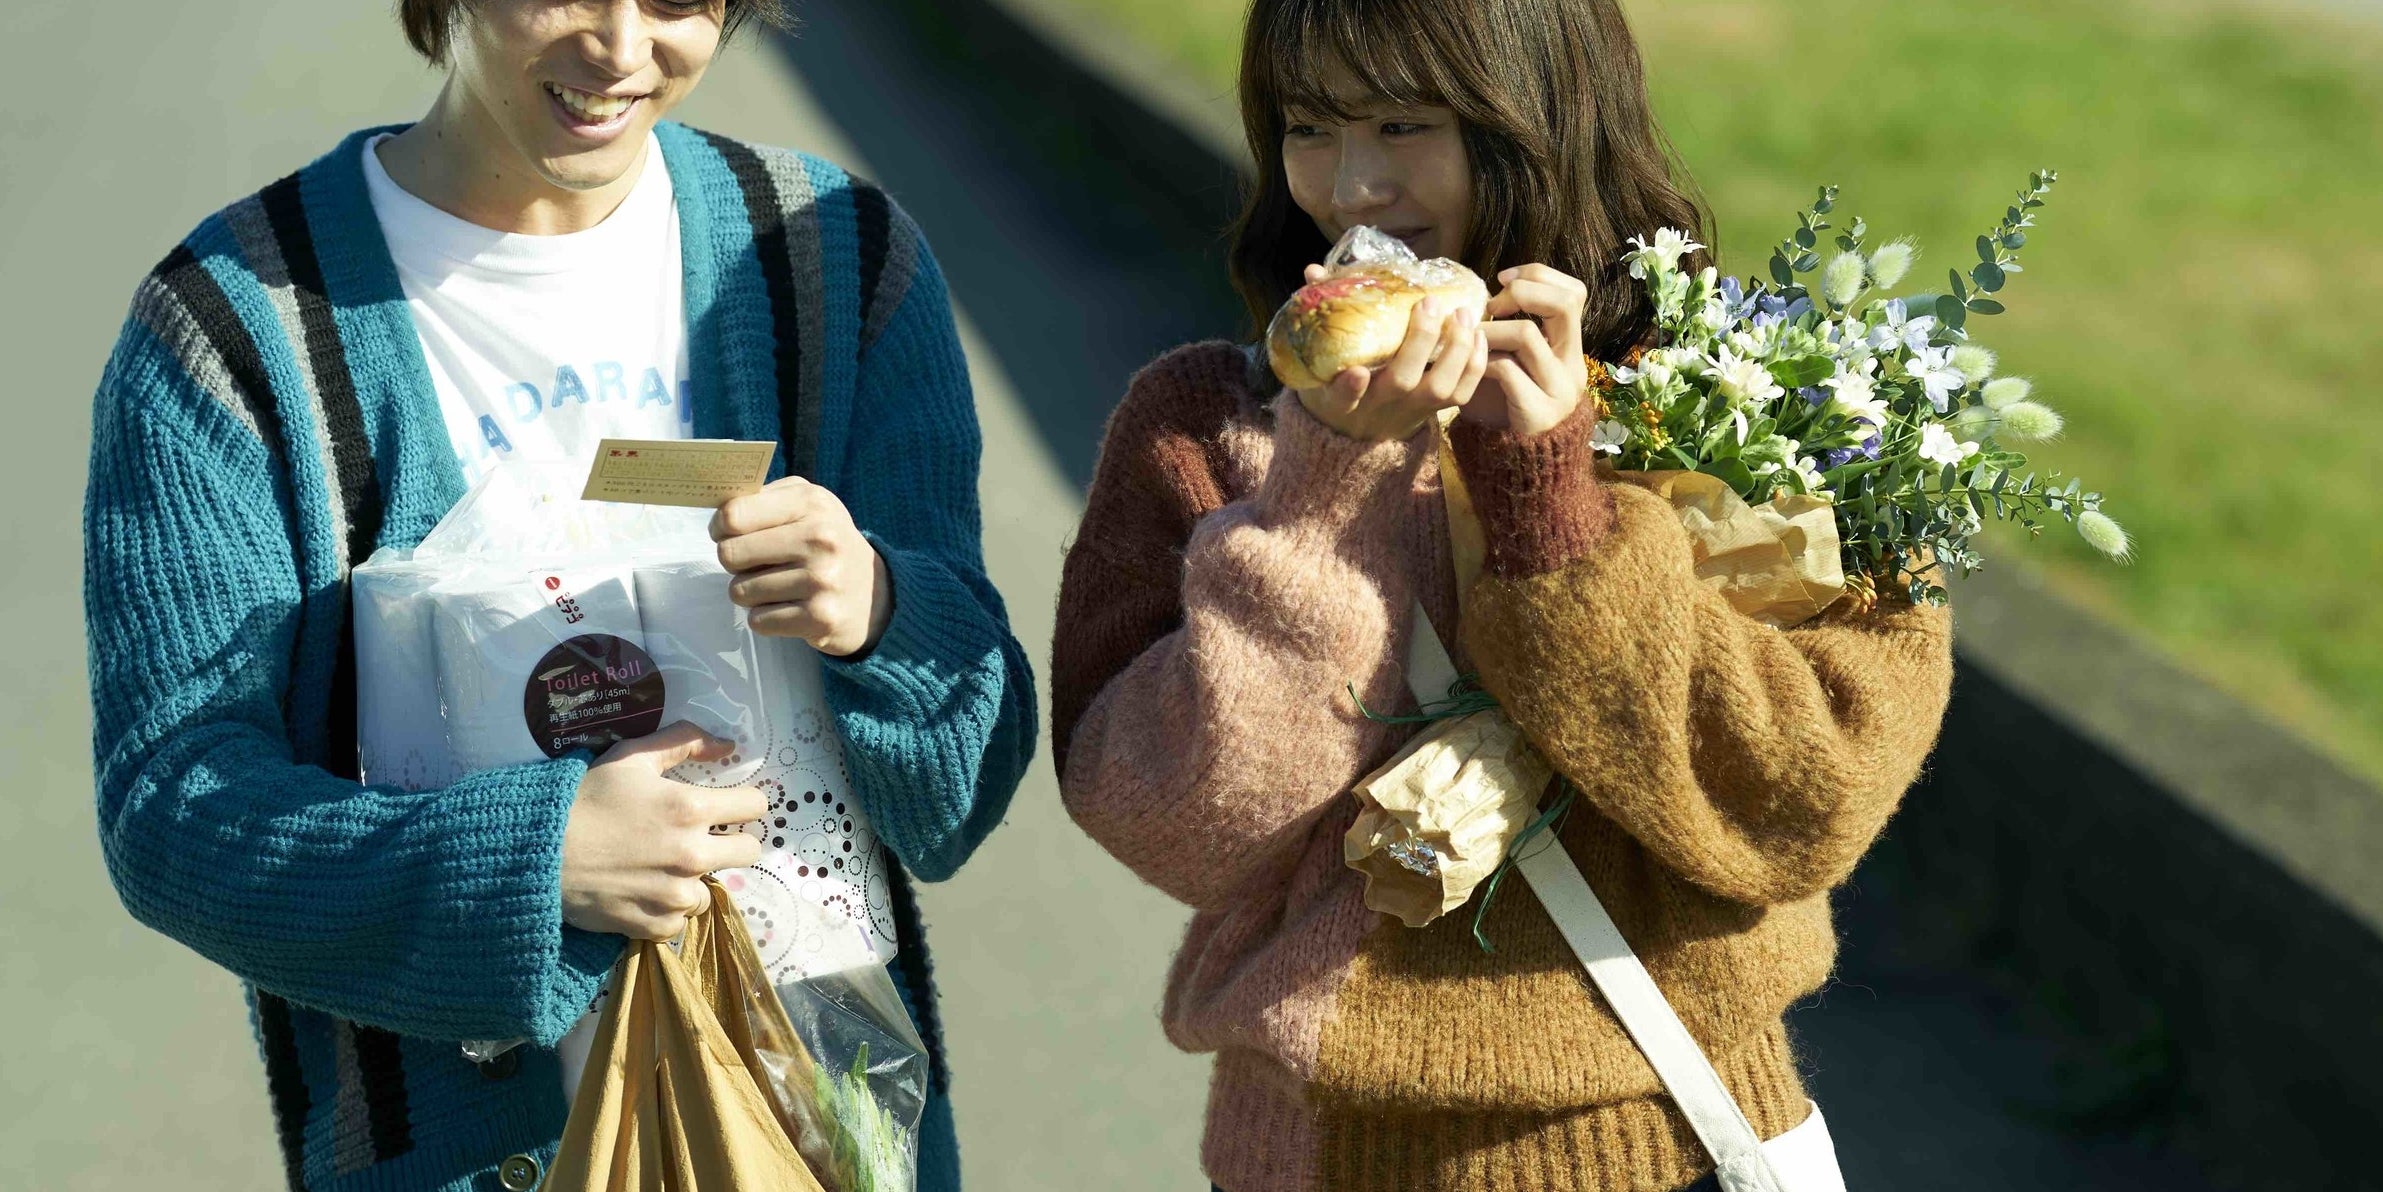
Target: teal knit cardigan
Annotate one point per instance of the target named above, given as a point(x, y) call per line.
point(266, 421)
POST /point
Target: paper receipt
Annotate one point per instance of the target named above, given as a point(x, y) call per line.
point(699, 473)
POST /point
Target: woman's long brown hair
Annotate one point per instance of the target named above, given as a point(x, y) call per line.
point(1567, 160)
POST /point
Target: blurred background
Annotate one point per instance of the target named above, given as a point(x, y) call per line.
point(2124, 937)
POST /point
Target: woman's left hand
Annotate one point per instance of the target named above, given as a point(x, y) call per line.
point(801, 566)
point(1537, 375)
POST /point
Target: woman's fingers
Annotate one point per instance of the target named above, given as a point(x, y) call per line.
point(1459, 337)
point(1314, 274)
point(1526, 402)
point(1529, 347)
point(1423, 339)
point(1556, 299)
point(1476, 367)
point(1348, 388)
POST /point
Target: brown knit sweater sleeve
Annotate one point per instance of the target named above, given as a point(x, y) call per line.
point(1758, 764)
point(1201, 658)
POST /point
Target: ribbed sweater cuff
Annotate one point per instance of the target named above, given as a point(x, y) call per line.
point(1321, 476)
point(1261, 1134)
point(1541, 505)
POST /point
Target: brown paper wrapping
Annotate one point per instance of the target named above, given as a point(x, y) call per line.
point(679, 1093)
point(1436, 820)
point(1776, 562)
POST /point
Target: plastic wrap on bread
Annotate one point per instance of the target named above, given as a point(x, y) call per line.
point(1357, 315)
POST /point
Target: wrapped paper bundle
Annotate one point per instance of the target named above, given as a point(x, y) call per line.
point(1438, 817)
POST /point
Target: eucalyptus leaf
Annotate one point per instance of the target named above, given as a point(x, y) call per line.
point(1960, 287)
point(1805, 238)
point(1779, 270)
point(1986, 249)
point(1986, 306)
point(1951, 312)
point(1989, 277)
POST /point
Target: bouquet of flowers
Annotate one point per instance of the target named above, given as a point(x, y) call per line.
point(1884, 408)
point(1820, 444)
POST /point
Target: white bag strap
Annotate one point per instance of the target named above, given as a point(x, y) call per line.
point(1682, 1066)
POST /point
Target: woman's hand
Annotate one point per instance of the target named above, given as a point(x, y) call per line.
point(803, 568)
point(637, 844)
point(1436, 368)
point(1537, 375)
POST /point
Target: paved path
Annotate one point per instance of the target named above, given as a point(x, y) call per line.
point(126, 1061)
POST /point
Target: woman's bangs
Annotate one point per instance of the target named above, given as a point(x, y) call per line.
point(1383, 46)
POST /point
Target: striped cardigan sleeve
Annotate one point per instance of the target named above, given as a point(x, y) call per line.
point(434, 913)
point(938, 720)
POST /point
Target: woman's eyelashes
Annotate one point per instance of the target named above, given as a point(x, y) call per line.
point(1305, 130)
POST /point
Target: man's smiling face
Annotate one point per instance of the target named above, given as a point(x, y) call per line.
point(570, 88)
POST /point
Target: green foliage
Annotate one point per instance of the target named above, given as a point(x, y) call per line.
point(2206, 320)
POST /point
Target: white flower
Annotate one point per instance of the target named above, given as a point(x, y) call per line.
point(1744, 381)
point(1715, 315)
point(1912, 334)
point(1933, 369)
point(1854, 394)
point(1809, 477)
point(1662, 254)
point(1938, 446)
point(1610, 437)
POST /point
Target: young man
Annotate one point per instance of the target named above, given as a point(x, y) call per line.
point(320, 370)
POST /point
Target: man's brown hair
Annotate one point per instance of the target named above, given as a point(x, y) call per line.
point(1567, 160)
point(430, 24)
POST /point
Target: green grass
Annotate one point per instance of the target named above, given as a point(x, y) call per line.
point(2201, 296)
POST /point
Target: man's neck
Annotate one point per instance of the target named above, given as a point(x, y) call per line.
point(457, 160)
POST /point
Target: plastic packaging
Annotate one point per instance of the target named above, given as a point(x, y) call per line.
point(530, 623)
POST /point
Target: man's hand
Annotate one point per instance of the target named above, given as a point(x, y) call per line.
point(638, 844)
point(802, 567)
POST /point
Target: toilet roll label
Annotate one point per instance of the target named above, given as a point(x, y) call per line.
point(590, 692)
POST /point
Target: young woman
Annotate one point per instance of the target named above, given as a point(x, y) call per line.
point(1248, 551)
point(316, 371)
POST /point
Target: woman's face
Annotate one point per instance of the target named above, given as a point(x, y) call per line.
point(571, 87)
point(1401, 169)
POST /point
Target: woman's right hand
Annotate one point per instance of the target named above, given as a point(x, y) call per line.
point(1437, 367)
point(638, 844)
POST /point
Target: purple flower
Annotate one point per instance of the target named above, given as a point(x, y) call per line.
point(1837, 457)
point(1813, 395)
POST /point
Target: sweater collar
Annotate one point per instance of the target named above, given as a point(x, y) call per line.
point(420, 478)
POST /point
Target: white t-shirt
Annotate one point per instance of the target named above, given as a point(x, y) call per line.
point(541, 345)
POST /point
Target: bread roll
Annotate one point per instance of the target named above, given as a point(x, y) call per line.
point(1358, 317)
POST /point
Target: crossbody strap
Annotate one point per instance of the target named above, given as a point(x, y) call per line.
point(1590, 932)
